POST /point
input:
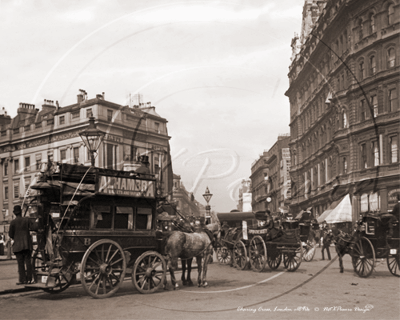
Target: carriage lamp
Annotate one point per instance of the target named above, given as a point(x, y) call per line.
point(92, 138)
point(207, 196)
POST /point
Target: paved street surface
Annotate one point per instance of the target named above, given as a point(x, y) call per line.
point(315, 291)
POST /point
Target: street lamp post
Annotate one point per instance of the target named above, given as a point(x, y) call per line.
point(207, 196)
point(92, 137)
point(268, 201)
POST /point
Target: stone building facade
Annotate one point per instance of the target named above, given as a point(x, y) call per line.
point(344, 110)
point(259, 171)
point(184, 201)
point(35, 136)
point(270, 177)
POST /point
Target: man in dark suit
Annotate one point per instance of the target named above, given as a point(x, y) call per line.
point(326, 242)
point(22, 247)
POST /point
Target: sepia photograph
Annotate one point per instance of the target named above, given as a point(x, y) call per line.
point(200, 159)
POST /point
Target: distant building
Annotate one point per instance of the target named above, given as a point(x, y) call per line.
point(33, 137)
point(270, 177)
point(259, 171)
point(344, 109)
point(184, 201)
point(245, 199)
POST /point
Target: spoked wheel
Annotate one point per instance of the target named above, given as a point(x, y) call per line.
point(292, 259)
point(38, 262)
point(103, 268)
point(63, 279)
point(257, 254)
point(274, 257)
point(393, 262)
point(149, 272)
point(224, 255)
point(240, 255)
point(63, 276)
point(363, 257)
point(309, 250)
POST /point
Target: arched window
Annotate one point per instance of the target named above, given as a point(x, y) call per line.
point(360, 29)
point(372, 27)
point(344, 119)
point(391, 58)
point(361, 72)
point(390, 15)
point(372, 65)
point(344, 165)
point(322, 172)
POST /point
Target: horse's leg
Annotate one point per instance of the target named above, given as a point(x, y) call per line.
point(189, 270)
point(173, 265)
point(184, 262)
point(199, 268)
point(204, 267)
point(340, 256)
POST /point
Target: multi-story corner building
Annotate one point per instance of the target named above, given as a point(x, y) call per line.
point(244, 201)
point(277, 180)
point(344, 111)
point(35, 136)
point(270, 177)
point(185, 202)
point(259, 172)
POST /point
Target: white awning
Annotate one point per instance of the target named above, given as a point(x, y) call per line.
point(342, 213)
point(323, 216)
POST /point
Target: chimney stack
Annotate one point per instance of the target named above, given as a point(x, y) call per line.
point(82, 96)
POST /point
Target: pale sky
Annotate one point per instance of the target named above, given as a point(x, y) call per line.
point(216, 70)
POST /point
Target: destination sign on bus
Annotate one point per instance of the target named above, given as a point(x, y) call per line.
point(125, 187)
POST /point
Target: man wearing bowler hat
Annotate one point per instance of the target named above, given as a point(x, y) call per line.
point(22, 247)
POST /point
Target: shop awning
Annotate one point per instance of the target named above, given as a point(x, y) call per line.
point(341, 213)
point(323, 216)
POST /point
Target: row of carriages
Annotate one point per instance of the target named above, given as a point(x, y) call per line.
point(247, 243)
point(255, 241)
point(99, 226)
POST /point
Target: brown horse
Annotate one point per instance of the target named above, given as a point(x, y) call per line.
point(187, 246)
point(344, 245)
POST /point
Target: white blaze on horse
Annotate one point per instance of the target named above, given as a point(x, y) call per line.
point(189, 245)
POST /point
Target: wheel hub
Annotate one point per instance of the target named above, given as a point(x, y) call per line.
point(149, 272)
point(105, 268)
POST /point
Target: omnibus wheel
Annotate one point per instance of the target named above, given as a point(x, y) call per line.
point(224, 255)
point(309, 250)
point(149, 272)
point(257, 254)
point(274, 257)
point(103, 268)
point(393, 262)
point(292, 260)
point(363, 257)
point(240, 255)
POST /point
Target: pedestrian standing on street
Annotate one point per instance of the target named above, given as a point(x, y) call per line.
point(22, 247)
point(326, 242)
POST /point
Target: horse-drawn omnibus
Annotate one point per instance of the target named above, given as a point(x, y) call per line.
point(260, 242)
point(231, 232)
point(96, 225)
